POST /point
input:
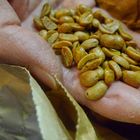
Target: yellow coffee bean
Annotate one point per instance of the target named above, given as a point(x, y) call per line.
point(68, 37)
point(110, 52)
point(85, 59)
point(77, 12)
point(89, 78)
point(65, 28)
point(72, 12)
point(115, 52)
point(133, 53)
point(69, 27)
point(91, 65)
point(62, 12)
point(76, 18)
point(45, 10)
point(108, 20)
point(67, 56)
point(38, 23)
point(107, 52)
point(90, 43)
point(53, 38)
point(43, 34)
point(109, 76)
point(86, 18)
point(53, 19)
point(49, 24)
point(116, 68)
point(83, 8)
point(124, 48)
point(105, 64)
point(98, 52)
point(100, 16)
point(131, 61)
point(78, 53)
point(121, 61)
point(124, 35)
point(131, 43)
point(132, 78)
point(60, 44)
point(134, 68)
point(74, 45)
point(65, 19)
point(96, 35)
point(95, 23)
point(100, 72)
point(112, 41)
point(50, 32)
point(52, 16)
point(76, 27)
point(109, 28)
point(82, 36)
point(97, 91)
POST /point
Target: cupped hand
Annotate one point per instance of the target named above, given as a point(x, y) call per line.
point(21, 45)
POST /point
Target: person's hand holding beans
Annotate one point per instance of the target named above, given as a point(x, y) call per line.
point(21, 45)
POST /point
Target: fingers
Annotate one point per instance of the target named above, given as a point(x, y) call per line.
point(121, 102)
point(24, 8)
point(21, 47)
point(7, 14)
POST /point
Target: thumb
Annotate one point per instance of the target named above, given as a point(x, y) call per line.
point(22, 47)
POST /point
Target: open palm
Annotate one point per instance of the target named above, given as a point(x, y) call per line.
point(21, 45)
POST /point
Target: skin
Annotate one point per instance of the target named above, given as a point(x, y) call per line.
point(121, 101)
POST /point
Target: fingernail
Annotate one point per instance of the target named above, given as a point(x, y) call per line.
point(51, 81)
point(45, 77)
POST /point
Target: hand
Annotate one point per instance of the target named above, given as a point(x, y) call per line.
point(23, 47)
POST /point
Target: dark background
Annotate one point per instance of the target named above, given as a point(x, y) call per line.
point(126, 130)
